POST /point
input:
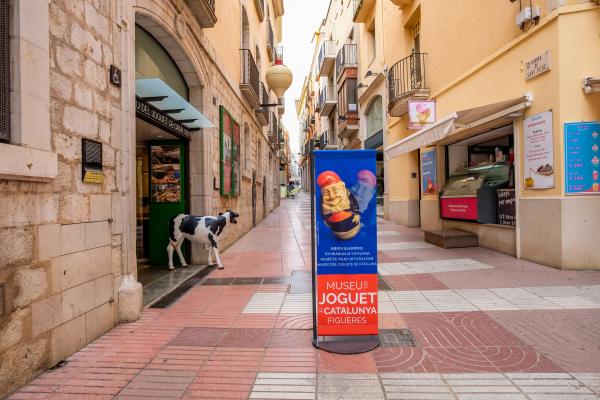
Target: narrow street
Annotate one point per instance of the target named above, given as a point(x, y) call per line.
point(454, 324)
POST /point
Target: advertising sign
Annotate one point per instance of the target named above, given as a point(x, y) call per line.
point(346, 242)
point(421, 113)
point(229, 154)
point(582, 158)
point(538, 151)
point(459, 208)
point(428, 172)
point(506, 207)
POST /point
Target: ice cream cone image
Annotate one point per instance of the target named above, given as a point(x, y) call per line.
point(423, 113)
point(595, 187)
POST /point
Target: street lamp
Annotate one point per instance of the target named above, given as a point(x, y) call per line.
point(279, 77)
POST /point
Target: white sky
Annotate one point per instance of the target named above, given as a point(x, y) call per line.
point(301, 20)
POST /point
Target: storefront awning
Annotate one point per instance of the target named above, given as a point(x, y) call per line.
point(160, 95)
point(461, 125)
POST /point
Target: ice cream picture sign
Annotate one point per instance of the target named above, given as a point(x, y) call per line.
point(346, 242)
point(582, 158)
point(421, 113)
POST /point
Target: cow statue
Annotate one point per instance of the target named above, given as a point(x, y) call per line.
point(206, 230)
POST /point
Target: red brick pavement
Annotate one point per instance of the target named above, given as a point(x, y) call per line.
point(203, 346)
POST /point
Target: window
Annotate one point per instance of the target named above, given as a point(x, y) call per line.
point(4, 73)
point(371, 43)
point(374, 117)
point(347, 97)
point(247, 148)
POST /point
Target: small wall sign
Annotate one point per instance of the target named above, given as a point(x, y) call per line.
point(115, 76)
point(537, 65)
point(91, 165)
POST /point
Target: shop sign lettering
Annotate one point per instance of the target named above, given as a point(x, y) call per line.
point(155, 116)
point(537, 65)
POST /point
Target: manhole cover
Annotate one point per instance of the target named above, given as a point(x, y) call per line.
point(396, 338)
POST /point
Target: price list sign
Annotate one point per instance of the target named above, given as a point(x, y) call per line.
point(582, 158)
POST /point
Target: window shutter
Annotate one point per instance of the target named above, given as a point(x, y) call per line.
point(4, 73)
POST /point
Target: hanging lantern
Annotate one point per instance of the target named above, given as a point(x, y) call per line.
point(279, 77)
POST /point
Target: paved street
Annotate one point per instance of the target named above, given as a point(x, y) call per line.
point(455, 324)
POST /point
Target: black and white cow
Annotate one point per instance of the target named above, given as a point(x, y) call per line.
point(204, 230)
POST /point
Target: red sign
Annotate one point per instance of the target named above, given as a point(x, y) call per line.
point(459, 208)
point(347, 304)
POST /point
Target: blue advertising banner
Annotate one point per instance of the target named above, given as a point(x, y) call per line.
point(582, 158)
point(428, 172)
point(346, 242)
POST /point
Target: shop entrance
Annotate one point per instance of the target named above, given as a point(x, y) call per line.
point(479, 193)
point(161, 182)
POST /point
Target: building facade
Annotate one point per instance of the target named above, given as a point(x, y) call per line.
point(116, 116)
point(507, 157)
point(479, 135)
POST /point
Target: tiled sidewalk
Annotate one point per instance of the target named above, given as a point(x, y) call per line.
point(456, 324)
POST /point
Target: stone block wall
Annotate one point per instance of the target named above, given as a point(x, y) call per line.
point(64, 242)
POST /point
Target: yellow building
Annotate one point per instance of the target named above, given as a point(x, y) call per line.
point(506, 165)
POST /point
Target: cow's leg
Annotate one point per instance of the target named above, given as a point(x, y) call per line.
point(213, 245)
point(219, 264)
point(179, 253)
point(210, 261)
point(170, 248)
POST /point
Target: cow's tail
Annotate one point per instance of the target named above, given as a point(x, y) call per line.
point(172, 229)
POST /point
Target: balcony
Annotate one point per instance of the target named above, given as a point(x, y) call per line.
point(406, 82)
point(348, 124)
point(346, 64)
point(327, 100)
point(326, 59)
point(260, 9)
point(249, 84)
point(262, 113)
point(270, 41)
point(281, 106)
point(327, 141)
point(204, 11)
point(363, 9)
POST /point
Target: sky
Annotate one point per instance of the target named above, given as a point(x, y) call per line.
point(301, 20)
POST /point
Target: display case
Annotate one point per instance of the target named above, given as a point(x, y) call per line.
point(471, 193)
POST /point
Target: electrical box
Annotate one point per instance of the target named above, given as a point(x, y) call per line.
point(523, 16)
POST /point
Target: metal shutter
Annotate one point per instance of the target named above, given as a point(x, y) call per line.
point(4, 73)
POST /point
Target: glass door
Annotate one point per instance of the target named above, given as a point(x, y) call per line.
point(167, 196)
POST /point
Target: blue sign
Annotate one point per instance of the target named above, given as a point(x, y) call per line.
point(582, 158)
point(346, 241)
point(428, 172)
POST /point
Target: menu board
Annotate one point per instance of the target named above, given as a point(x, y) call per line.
point(538, 151)
point(166, 173)
point(582, 158)
point(506, 207)
point(428, 172)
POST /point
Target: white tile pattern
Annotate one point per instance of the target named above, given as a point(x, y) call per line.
point(431, 267)
point(430, 386)
point(416, 301)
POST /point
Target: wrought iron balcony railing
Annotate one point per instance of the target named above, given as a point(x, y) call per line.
point(274, 127)
point(346, 58)
point(327, 50)
point(407, 76)
point(250, 75)
point(271, 41)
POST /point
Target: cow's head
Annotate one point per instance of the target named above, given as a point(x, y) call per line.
point(231, 216)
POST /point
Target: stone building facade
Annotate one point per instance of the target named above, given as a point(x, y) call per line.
point(68, 246)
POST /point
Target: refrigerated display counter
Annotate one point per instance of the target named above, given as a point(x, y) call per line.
point(471, 193)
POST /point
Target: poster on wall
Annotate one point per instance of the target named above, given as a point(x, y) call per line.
point(582, 158)
point(165, 174)
point(538, 151)
point(229, 154)
point(346, 242)
point(421, 114)
point(429, 184)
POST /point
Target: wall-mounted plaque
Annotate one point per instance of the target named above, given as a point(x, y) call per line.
point(91, 165)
